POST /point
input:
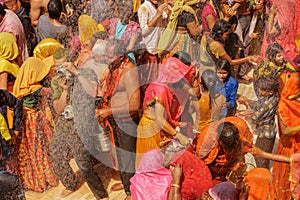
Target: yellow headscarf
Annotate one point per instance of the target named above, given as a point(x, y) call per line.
point(8, 52)
point(46, 48)
point(87, 28)
point(168, 37)
point(30, 74)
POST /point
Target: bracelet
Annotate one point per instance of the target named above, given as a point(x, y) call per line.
point(175, 185)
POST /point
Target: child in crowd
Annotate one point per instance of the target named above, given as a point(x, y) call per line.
point(227, 86)
point(263, 116)
point(208, 107)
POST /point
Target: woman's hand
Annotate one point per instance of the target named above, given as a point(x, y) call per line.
point(62, 82)
point(182, 139)
point(103, 113)
point(257, 152)
point(176, 174)
point(70, 67)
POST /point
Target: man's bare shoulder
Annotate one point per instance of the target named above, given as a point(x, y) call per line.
point(39, 3)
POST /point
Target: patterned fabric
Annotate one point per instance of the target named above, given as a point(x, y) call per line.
point(264, 117)
point(33, 161)
point(131, 29)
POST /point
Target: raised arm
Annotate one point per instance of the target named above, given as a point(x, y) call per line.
point(35, 11)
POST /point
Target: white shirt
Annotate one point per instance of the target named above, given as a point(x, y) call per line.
point(150, 35)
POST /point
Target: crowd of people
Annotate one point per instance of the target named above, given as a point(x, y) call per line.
point(149, 88)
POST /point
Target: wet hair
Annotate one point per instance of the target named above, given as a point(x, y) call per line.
point(184, 57)
point(208, 80)
point(54, 9)
point(223, 64)
point(228, 135)
point(221, 26)
point(268, 84)
point(63, 53)
point(233, 20)
point(273, 49)
point(2, 11)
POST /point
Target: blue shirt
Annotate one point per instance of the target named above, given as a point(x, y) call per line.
point(229, 90)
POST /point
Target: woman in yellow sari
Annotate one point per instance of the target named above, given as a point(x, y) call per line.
point(8, 56)
point(162, 108)
point(32, 145)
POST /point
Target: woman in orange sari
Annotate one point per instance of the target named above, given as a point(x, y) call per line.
point(32, 145)
point(211, 149)
point(289, 133)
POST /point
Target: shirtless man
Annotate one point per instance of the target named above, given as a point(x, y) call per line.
point(39, 7)
point(122, 97)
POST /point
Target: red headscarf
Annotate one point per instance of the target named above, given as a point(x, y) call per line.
point(196, 175)
point(172, 70)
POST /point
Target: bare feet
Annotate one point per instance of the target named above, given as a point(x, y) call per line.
point(65, 193)
point(116, 187)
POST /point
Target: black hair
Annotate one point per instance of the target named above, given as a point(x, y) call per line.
point(233, 20)
point(54, 9)
point(224, 65)
point(228, 135)
point(184, 57)
point(2, 11)
point(268, 84)
point(221, 26)
point(273, 49)
point(208, 81)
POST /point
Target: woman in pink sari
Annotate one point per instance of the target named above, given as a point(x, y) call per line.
point(152, 180)
point(280, 27)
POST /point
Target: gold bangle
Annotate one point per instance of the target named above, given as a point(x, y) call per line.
point(175, 185)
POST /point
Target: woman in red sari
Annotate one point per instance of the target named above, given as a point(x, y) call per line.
point(162, 108)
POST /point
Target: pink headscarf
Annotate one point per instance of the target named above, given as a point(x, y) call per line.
point(152, 180)
point(222, 191)
point(172, 70)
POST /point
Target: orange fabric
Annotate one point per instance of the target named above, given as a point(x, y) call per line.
point(289, 114)
point(207, 142)
point(259, 181)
